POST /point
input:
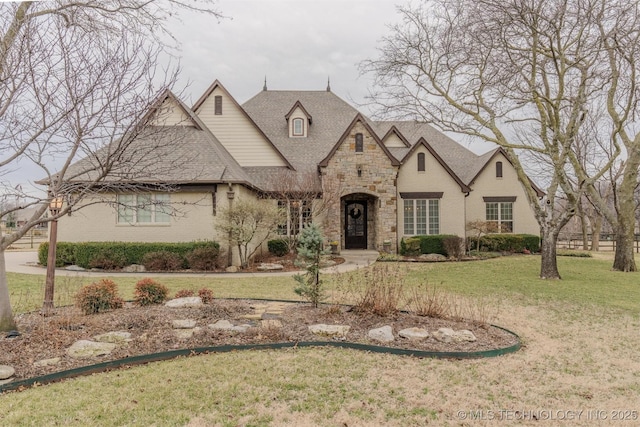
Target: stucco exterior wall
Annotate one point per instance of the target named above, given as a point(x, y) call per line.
point(377, 180)
point(435, 178)
point(488, 185)
point(236, 132)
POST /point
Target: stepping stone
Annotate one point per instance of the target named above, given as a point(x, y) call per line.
point(383, 334)
point(85, 349)
point(74, 268)
point(330, 330)
point(134, 268)
point(46, 362)
point(184, 302)
point(119, 337)
point(184, 334)
point(225, 325)
point(464, 335)
point(6, 372)
point(414, 333)
point(256, 316)
point(444, 335)
point(265, 266)
point(183, 324)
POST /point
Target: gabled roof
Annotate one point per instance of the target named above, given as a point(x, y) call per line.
point(394, 129)
point(155, 108)
point(217, 85)
point(486, 158)
point(299, 105)
point(423, 143)
point(359, 118)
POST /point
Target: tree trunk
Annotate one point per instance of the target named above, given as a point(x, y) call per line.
point(7, 322)
point(596, 229)
point(624, 258)
point(583, 227)
point(549, 261)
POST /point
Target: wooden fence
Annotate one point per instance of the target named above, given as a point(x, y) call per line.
point(31, 240)
point(607, 242)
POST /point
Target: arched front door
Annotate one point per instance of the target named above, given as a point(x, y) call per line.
point(355, 224)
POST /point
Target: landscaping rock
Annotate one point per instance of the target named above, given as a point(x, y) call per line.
point(3, 382)
point(330, 330)
point(444, 335)
point(184, 334)
point(265, 266)
point(383, 334)
point(232, 269)
point(6, 372)
point(46, 362)
point(85, 349)
point(271, 323)
point(414, 333)
point(225, 325)
point(119, 337)
point(464, 335)
point(183, 324)
point(134, 268)
point(184, 302)
point(74, 268)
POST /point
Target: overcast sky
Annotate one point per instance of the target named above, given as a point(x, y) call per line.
point(297, 45)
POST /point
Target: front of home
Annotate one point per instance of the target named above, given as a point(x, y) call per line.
point(373, 182)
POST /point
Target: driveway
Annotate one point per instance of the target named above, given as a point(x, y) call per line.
point(26, 262)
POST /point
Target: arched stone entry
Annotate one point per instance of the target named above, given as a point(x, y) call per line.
point(358, 213)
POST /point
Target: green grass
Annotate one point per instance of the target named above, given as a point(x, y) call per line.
point(578, 334)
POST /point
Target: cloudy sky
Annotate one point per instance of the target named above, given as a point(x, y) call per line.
point(295, 44)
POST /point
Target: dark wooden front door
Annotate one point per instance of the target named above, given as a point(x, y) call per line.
point(355, 225)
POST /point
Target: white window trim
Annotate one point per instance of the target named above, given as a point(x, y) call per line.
point(293, 127)
point(415, 218)
point(499, 221)
point(302, 221)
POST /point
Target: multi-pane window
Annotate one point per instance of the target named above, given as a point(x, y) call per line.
point(298, 127)
point(421, 216)
point(146, 208)
point(500, 213)
point(298, 215)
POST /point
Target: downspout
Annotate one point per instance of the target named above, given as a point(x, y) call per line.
point(230, 197)
point(465, 219)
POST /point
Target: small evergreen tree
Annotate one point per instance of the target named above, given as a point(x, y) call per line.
point(310, 250)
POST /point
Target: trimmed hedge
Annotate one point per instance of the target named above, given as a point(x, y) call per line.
point(432, 244)
point(83, 254)
point(506, 242)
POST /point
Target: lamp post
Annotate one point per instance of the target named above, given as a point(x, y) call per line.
point(54, 208)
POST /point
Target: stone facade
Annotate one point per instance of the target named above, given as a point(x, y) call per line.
point(368, 176)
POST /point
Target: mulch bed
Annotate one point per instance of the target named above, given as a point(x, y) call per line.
point(49, 337)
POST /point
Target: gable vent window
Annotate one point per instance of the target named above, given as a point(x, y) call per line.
point(218, 105)
point(359, 143)
point(421, 167)
point(498, 169)
point(298, 127)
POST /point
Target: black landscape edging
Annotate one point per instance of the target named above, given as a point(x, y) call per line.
point(168, 355)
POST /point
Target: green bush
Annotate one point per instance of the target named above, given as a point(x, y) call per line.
point(513, 243)
point(162, 261)
point(278, 247)
point(204, 259)
point(410, 246)
point(98, 297)
point(108, 260)
point(83, 253)
point(431, 244)
point(148, 292)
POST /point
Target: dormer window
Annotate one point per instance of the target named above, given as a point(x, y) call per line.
point(298, 127)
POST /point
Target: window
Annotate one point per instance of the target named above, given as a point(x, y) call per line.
point(148, 208)
point(298, 215)
point(298, 127)
point(218, 105)
point(421, 216)
point(359, 143)
point(501, 213)
point(498, 169)
point(421, 167)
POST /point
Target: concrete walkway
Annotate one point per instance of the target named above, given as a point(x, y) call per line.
point(27, 262)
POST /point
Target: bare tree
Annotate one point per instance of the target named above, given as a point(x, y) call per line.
point(76, 79)
point(518, 74)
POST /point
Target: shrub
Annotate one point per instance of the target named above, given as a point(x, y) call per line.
point(205, 258)
point(65, 253)
point(428, 301)
point(507, 242)
point(184, 293)
point(108, 261)
point(148, 292)
point(278, 247)
point(410, 246)
point(162, 261)
point(206, 295)
point(453, 246)
point(98, 297)
point(431, 244)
